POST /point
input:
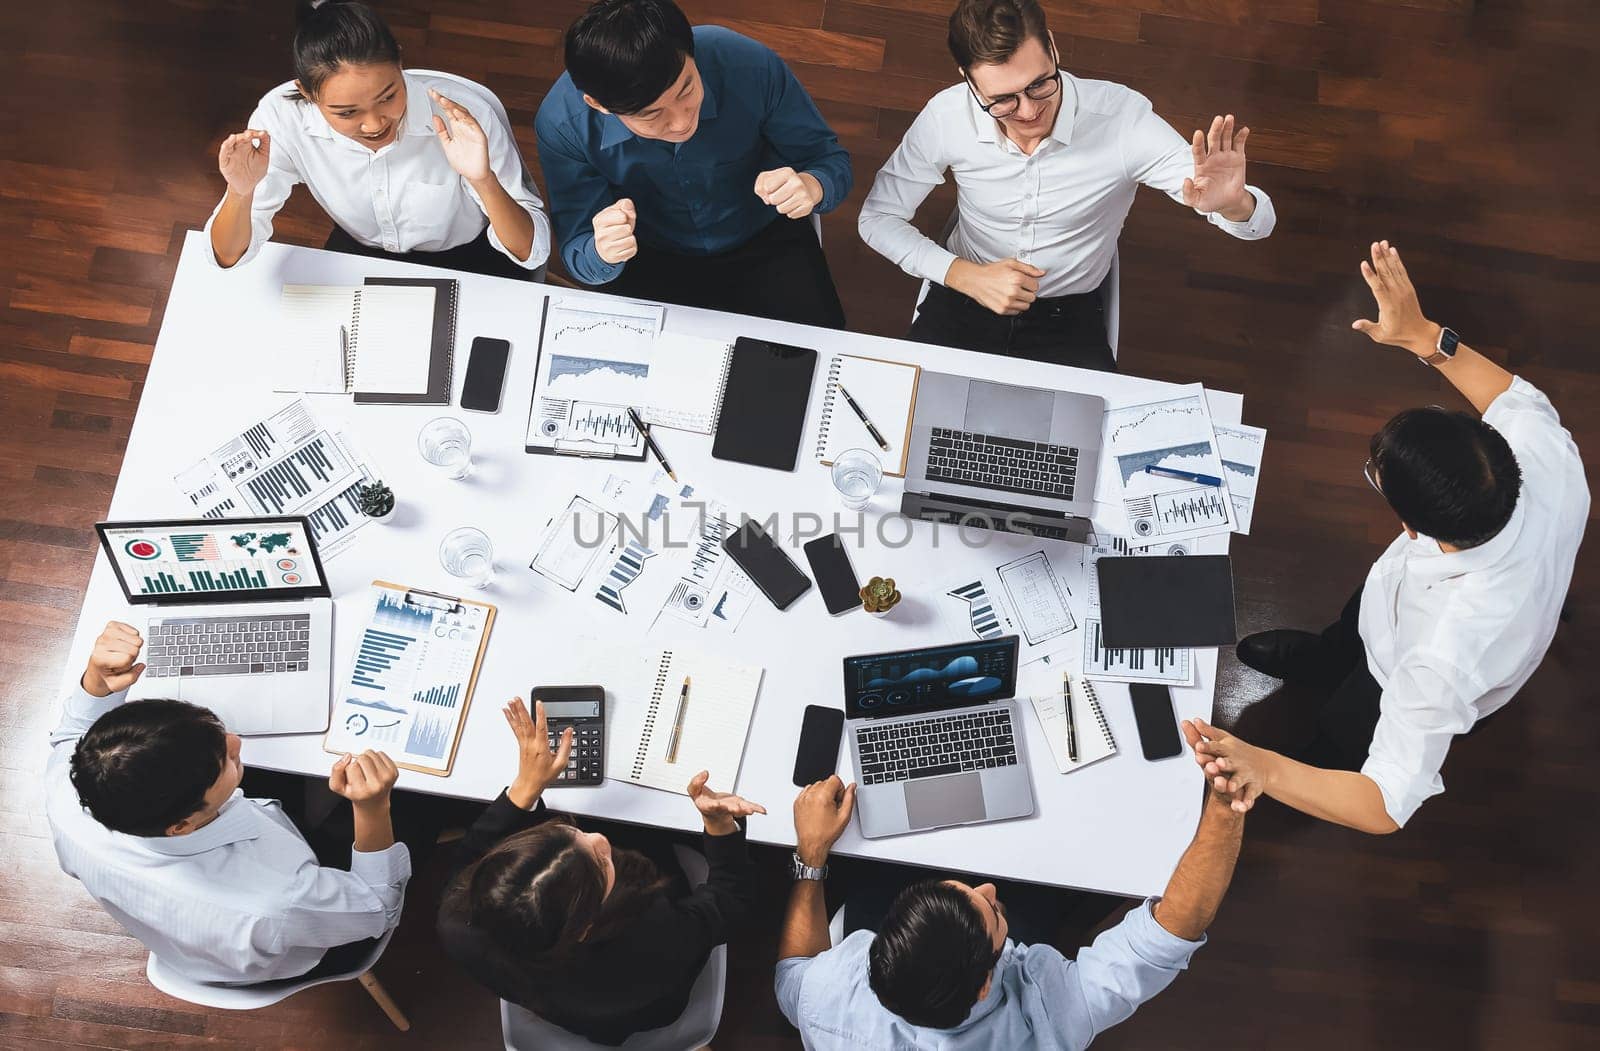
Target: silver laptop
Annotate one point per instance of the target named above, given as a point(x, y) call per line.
point(1018, 459)
point(240, 622)
point(935, 737)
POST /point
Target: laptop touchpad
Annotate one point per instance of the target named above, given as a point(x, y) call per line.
point(1018, 412)
point(945, 800)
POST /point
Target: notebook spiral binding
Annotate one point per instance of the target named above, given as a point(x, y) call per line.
point(1099, 714)
point(352, 343)
point(450, 358)
point(649, 731)
point(722, 389)
point(834, 365)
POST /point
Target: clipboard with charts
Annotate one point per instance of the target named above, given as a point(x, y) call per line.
point(411, 679)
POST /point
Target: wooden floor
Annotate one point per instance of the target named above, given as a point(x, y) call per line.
point(1467, 132)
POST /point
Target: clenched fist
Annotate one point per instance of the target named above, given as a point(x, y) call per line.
point(1007, 286)
point(613, 232)
point(112, 666)
point(794, 194)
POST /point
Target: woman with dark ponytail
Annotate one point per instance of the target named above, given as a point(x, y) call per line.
point(414, 165)
point(590, 937)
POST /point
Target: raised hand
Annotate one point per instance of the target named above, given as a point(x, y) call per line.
point(792, 193)
point(1401, 322)
point(111, 663)
point(1007, 286)
point(537, 766)
point(1218, 181)
point(465, 145)
point(243, 160)
point(720, 810)
point(821, 812)
point(364, 779)
point(613, 232)
point(1232, 767)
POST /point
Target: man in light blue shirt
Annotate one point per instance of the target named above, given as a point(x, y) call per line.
point(941, 972)
point(684, 165)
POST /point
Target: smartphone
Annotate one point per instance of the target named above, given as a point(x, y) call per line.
point(765, 563)
point(486, 374)
point(1158, 726)
point(830, 564)
point(818, 755)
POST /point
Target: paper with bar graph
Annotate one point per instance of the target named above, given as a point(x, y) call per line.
point(1168, 664)
point(286, 464)
point(411, 678)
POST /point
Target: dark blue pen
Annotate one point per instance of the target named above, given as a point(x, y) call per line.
point(1187, 476)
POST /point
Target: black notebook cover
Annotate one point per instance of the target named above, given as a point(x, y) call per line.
point(764, 404)
point(442, 357)
point(1166, 600)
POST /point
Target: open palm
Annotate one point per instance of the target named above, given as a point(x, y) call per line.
point(1218, 182)
point(465, 145)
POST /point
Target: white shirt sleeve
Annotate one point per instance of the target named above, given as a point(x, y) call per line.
point(1426, 704)
point(1155, 154)
point(505, 160)
point(329, 907)
point(910, 174)
point(787, 983)
point(271, 192)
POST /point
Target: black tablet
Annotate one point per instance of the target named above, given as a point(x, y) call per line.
point(1166, 600)
point(764, 404)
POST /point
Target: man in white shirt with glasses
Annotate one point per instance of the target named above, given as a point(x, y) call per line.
point(1046, 168)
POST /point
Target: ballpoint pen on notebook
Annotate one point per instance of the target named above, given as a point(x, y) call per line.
point(1187, 476)
point(677, 722)
point(859, 412)
point(650, 443)
point(1072, 722)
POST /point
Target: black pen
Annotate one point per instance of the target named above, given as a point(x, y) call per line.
point(870, 428)
point(1072, 721)
point(650, 443)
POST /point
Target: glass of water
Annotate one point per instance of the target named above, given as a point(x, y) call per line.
point(856, 474)
point(447, 444)
point(466, 553)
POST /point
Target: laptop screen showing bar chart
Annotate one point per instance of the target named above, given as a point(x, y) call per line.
point(199, 560)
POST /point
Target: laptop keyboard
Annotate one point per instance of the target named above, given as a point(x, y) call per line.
point(946, 744)
point(259, 645)
point(1008, 464)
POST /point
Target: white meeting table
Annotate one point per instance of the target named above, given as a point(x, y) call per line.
point(1118, 826)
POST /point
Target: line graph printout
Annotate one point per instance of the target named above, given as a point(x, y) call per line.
point(1241, 449)
point(594, 361)
point(1175, 434)
point(286, 464)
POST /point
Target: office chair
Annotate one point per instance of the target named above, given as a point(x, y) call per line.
point(525, 1031)
point(252, 997)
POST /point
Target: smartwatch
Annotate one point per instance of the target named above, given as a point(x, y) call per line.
point(800, 870)
point(1444, 350)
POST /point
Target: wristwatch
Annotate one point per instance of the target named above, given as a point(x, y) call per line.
point(1444, 350)
point(800, 870)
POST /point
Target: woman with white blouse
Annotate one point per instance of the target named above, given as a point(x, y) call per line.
point(420, 166)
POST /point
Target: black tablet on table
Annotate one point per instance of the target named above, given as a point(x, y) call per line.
point(764, 400)
point(1166, 600)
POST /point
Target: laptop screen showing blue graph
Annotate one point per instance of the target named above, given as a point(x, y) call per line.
point(209, 560)
point(934, 677)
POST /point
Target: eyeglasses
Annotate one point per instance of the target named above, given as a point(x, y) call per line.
point(1005, 105)
point(1371, 476)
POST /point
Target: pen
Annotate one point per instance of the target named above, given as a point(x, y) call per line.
point(650, 443)
point(677, 722)
point(870, 428)
point(1187, 476)
point(1072, 722)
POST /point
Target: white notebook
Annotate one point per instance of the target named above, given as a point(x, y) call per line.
point(886, 391)
point(1095, 741)
point(716, 720)
point(367, 339)
point(687, 377)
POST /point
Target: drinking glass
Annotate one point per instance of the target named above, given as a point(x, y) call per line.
point(447, 444)
point(856, 474)
point(467, 553)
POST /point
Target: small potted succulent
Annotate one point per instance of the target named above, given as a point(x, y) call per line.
point(377, 501)
point(880, 596)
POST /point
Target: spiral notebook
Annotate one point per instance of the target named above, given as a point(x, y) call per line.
point(441, 341)
point(716, 720)
point(337, 340)
point(677, 393)
point(1095, 741)
point(886, 391)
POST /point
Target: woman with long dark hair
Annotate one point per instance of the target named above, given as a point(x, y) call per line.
point(420, 166)
point(594, 938)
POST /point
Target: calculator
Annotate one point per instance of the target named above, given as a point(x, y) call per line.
point(584, 709)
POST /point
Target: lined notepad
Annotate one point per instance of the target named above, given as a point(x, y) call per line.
point(716, 720)
point(1095, 741)
point(886, 392)
point(365, 339)
point(686, 381)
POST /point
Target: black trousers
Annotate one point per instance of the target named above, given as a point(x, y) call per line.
point(1349, 715)
point(1063, 330)
point(477, 256)
point(780, 274)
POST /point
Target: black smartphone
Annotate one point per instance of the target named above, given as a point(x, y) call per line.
point(1158, 725)
point(818, 755)
point(486, 374)
point(830, 564)
point(765, 563)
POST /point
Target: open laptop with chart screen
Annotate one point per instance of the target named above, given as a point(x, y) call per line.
point(936, 738)
point(240, 622)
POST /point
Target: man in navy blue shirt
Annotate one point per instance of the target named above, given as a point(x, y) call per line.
point(684, 164)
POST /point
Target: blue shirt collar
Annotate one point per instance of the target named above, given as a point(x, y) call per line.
point(613, 132)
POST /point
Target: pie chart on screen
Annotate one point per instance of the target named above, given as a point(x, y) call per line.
point(144, 550)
